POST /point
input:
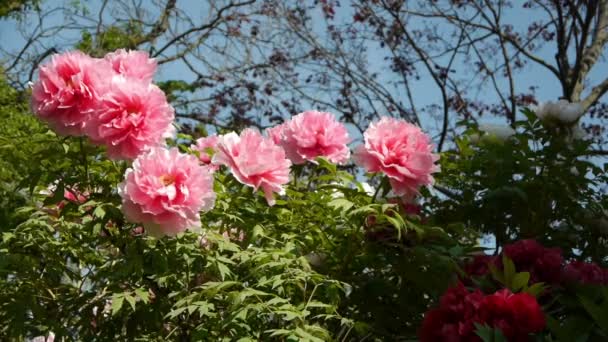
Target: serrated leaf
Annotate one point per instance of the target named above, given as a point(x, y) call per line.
point(258, 230)
point(99, 212)
point(306, 336)
point(131, 300)
point(117, 304)
point(175, 313)
point(342, 204)
point(143, 295)
point(223, 269)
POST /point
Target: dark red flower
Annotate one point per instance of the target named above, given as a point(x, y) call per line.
point(585, 273)
point(544, 264)
point(516, 315)
point(453, 319)
point(528, 314)
point(479, 266)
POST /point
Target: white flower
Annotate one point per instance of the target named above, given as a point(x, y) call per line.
point(574, 171)
point(336, 193)
point(316, 259)
point(561, 111)
point(578, 133)
point(474, 138)
point(502, 132)
point(368, 189)
point(50, 338)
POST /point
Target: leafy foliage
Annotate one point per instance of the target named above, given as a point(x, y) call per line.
point(328, 262)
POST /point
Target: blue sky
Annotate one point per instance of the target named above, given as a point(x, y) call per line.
point(548, 87)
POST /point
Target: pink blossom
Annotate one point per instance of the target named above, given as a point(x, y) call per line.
point(68, 91)
point(276, 133)
point(313, 134)
point(400, 150)
point(204, 146)
point(73, 195)
point(254, 160)
point(134, 117)
point(165, 190)
point(132, 64)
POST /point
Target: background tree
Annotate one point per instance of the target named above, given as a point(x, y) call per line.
point(255, 62)
point(317, 264)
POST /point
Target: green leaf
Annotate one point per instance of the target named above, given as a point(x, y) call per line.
point(99, 212)
point(508, 270)
point(117, 301)
point(176, 312)
point(342, 204)
point(536, 289)
point(496, 274)
point(520, 280)
point(258, 231)
point(329, 166)
point(574, 328)
point(57, 195)
point(223, 269)
point(598, 313)
point(131, 300)
point(488, 334)
point(306, 336)
point(143, 295)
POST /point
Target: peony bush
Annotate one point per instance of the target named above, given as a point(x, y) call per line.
point(118, 226)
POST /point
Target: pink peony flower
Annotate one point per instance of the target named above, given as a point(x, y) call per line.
point(134, 117)
point(254, 160)
point(73, 195)
point(132, 64)
point(68, 91)
point(165, 190)
point(276, 133)
point(400, 150)
point(203, 146)
point(315, 134)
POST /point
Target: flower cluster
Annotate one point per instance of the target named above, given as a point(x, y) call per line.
point(515, 315)
point(544, 264)
point(111, 100)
